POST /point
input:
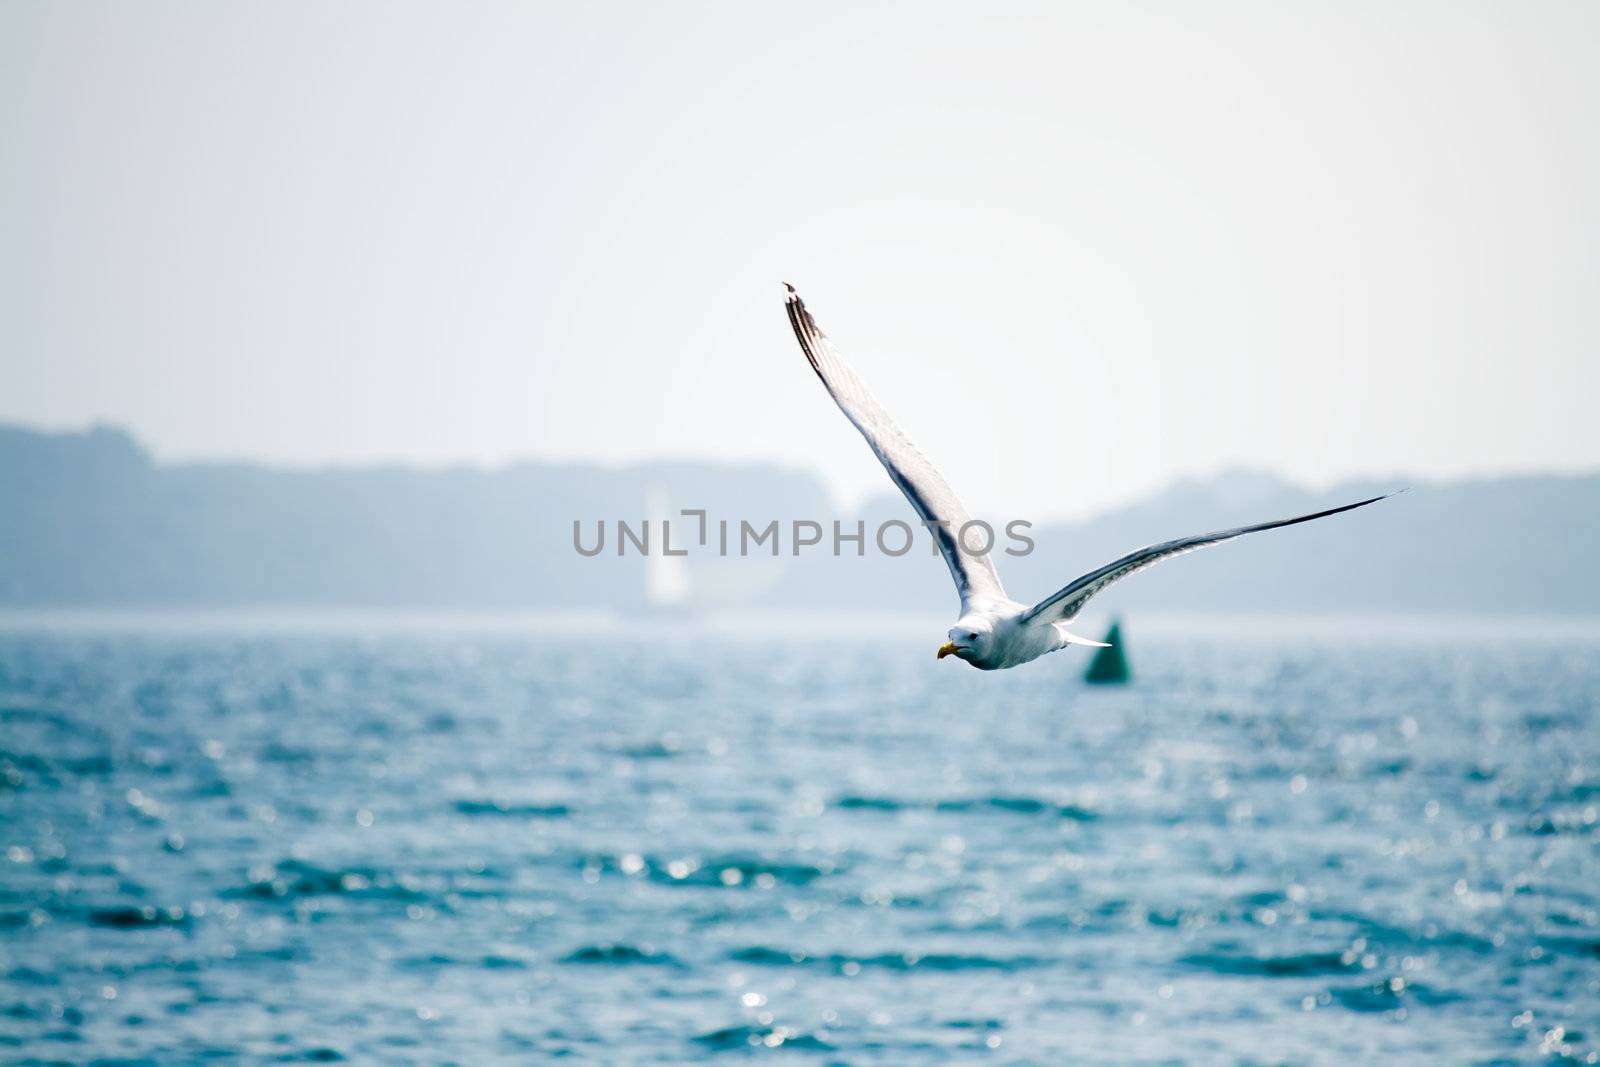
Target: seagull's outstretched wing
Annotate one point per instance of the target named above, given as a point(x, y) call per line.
point(1066, 603)
point(928, 492)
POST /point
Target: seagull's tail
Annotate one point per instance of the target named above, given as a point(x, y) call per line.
point(1074, 639)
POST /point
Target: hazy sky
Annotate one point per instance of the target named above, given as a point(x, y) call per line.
point(1078, 250)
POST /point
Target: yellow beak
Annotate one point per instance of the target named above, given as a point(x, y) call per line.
point(946, 649)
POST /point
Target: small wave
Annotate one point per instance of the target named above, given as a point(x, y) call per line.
point(278, 954)
point(507, 808)
point(1544, 722)
point(1018, 805)
point(1388, 994)
point(57, 720)
point(1388, 768)
point(213, 787)
point(725, 872)
point(26, 975)
point(845, 963)
point(621, 955)
point(94, 765)
point(949, 961)
point(321, 1054)
point(732, 1038)
point(128, 917)
point(731, 873)
point(295, 879)
point(1298, 965)
point(1576, 946)
point(17, 767)
point(1118, 914)
point(1583, 789)
point(767, 957)
point(649, 750)
point(278, 752)
point(1563, 822)
point(491, 962)
point(849, 803)
point(494, 962)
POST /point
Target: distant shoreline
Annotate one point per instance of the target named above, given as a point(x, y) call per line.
point(88, 521)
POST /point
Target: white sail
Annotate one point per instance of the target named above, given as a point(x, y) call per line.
point(666, 577)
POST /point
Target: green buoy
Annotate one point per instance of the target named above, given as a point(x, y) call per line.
point(1109, 666)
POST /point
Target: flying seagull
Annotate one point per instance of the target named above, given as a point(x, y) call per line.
point(993, 631)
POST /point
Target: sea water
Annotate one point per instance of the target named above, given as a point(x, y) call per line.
point(1279, 844)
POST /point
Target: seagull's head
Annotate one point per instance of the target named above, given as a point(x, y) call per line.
point(968, 639)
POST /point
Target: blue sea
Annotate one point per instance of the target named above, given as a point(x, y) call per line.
point(467, 842)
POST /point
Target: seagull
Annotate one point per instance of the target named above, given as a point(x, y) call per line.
point(993, 631)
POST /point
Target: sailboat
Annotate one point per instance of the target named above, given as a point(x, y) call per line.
point(1109, 665)
point(666, 578)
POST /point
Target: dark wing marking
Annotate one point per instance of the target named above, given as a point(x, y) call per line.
point(922, 484)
